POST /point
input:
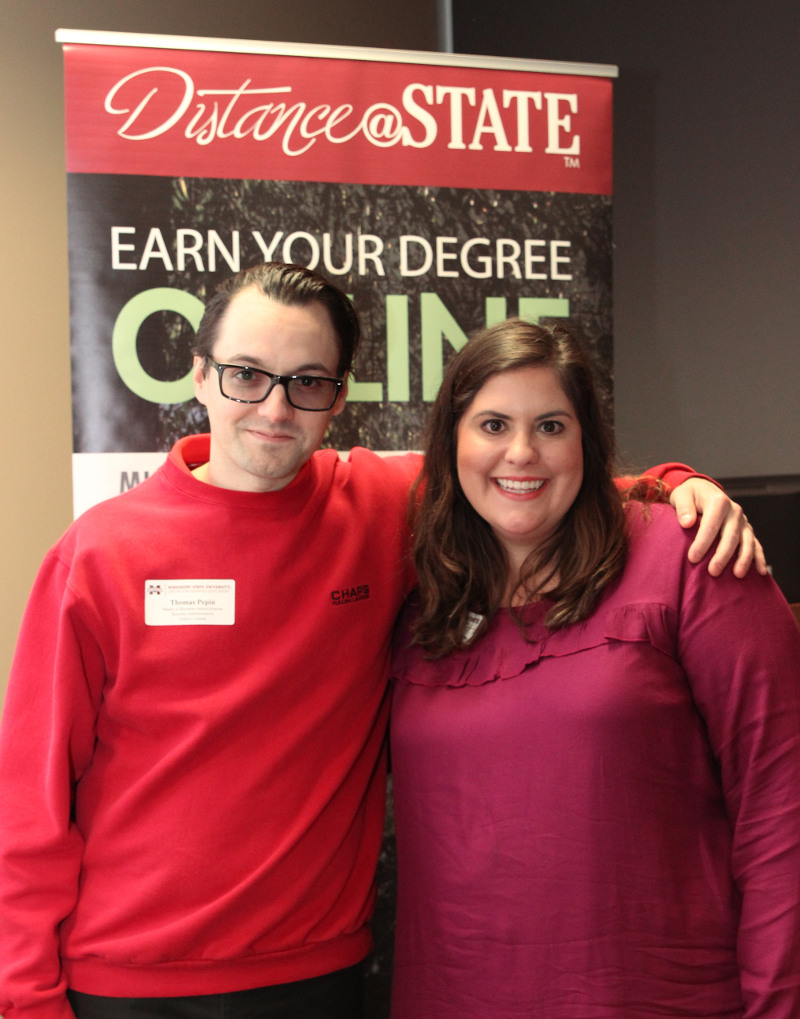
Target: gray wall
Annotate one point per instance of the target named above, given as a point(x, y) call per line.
point(35, 421)
point(707, 232)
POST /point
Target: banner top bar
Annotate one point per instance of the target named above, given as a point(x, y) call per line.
point(187, 42)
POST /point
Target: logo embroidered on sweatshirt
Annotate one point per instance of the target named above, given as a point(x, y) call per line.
point(345, 595)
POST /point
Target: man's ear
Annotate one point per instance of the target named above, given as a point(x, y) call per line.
point(200, 378)
point(341, 399)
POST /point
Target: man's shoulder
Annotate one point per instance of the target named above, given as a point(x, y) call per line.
point(384, 468)
point(401, 463)
point(111, 519)
point(367, 480)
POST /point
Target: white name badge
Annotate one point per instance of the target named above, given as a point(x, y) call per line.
point(189, 602)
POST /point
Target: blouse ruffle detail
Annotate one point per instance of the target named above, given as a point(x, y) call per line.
point(493, 658)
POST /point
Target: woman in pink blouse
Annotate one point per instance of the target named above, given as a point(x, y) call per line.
point(595, 745)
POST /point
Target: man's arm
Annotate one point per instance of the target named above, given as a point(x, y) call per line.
point(46, 741)
point(719, 516)
point(693, 495)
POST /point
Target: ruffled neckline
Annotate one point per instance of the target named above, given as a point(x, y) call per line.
point(501, 653)
point(504, 653)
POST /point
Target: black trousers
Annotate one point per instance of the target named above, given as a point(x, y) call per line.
point(338, 995)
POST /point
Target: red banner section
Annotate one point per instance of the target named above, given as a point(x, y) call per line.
point(174, 112)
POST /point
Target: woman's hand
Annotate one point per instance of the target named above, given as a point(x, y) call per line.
point(719, 516)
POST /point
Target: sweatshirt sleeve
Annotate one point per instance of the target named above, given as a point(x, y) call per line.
point(670, 474)
point(46, 742)
point(740, 648)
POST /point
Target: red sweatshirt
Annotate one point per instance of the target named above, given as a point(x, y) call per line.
point(191, 754)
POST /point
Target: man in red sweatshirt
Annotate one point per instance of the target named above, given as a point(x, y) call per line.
point(192, 751)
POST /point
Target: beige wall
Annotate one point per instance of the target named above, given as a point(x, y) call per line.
point(35, 419)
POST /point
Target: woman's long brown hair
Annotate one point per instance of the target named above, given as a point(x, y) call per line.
point(461, 566)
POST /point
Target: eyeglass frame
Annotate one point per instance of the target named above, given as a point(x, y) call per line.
point(276, 380)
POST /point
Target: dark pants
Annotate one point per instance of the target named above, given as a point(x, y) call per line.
point(337, 995)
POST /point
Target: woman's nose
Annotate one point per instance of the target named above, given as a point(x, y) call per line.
point(521, 449)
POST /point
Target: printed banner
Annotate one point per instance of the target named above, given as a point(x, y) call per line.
point(443, 193)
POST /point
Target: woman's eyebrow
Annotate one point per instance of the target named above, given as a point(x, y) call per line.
point(539, 417)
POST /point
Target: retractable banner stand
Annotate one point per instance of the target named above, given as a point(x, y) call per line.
point(442, 192)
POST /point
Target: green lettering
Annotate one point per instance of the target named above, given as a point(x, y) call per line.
point(496, 311)
point(126, 331)
point(363, 392)
point(437, 325)
point(397, 348)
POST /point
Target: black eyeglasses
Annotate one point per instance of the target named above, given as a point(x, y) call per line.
point(244, 384)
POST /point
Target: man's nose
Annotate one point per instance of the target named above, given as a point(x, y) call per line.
point(276, 406)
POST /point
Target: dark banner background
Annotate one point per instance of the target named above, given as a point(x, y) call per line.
point(108, 417)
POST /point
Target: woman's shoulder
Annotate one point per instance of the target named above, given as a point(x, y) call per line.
point(653, 528)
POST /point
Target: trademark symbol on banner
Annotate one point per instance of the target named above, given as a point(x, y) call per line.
point(572, 162)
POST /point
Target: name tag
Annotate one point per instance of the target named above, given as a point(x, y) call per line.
point(189, 602)
point(473, 622)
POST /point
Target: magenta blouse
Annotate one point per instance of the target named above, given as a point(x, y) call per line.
point(604, 821)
